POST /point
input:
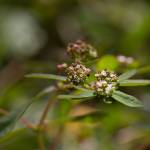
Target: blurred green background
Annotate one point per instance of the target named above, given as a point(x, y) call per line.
point(33, 38)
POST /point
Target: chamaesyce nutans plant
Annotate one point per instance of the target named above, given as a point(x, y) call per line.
point(80, 81)
point(104, 85)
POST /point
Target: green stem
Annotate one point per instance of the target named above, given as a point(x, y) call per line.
point(41, 141)
point(46, 110)
point(42, 120)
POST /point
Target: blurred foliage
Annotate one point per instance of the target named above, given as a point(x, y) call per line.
point(33, 37)
point(103, 63)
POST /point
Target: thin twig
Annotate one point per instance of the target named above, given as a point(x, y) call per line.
point(41, 141)
point(27, 123)
point(45, 112)
point(41, 122)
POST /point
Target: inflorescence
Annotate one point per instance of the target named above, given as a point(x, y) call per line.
point(106, 83)
point(81, 50)
point(77, 73)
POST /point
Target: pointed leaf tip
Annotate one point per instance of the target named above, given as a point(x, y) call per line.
point(127, 75)
point(126, 99)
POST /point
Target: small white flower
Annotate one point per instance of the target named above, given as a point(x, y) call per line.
point(112, 75)
point(121, 58)
point(93, 53)
point(109, 88)
point(129, 60)
point(78, 66)
point(103, 73)
point(104, 82)
point(96, 75)
point(100, 90)
point(99, 84)
point(124, 59)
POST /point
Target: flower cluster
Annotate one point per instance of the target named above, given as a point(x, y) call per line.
point(125, 60)
point(77, 73)
point(106, 83)
point(81, 50)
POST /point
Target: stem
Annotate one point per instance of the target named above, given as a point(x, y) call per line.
point(45, 112)
point(57, 139)
point(27, 123)
point(41, 122)
point(23, 119)
point(41, 141)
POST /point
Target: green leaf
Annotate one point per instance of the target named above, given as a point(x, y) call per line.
point(46, 91)
point(94, 115)
point(91, 116)
point(84, 95)
point(144, 70)
point(104, 63)
point(46, 76)
point(126, 75)
point(135, 83)
point(8, 122)
point(126, 99)
point(20, 139)
point(5, 122)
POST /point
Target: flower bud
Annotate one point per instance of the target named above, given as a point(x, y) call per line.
point(81, 50)
point(109, 76)
point(77, 73)
point(62, 66)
